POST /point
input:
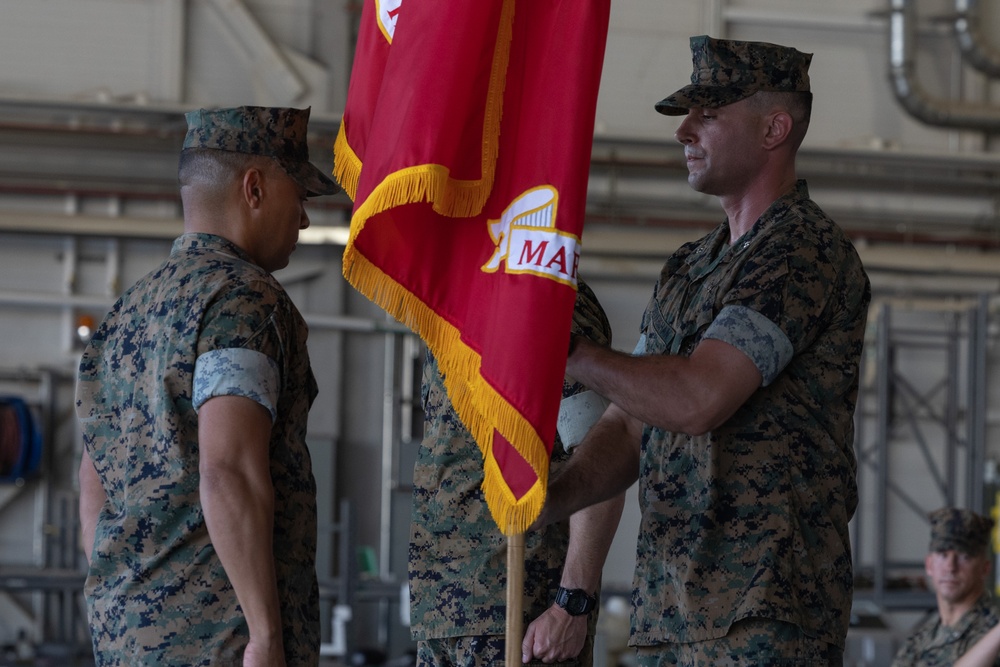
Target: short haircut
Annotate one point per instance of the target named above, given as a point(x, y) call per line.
point(797, 104)
point(207, 166)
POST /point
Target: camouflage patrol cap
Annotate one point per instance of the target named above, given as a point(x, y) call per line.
point(274, 132)
point(726, 71)
point(959, 529)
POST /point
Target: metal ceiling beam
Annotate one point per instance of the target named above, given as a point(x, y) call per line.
point(57, 158)
point(266, 57)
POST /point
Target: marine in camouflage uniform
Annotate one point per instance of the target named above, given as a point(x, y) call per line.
point(750, 520)
point(936, 643)
point(208, 322)
point(457, 555)
point(743, 554)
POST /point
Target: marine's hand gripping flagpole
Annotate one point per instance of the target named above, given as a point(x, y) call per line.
point(465, 145)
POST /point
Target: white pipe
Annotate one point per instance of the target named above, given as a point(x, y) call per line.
point(172, 17)
point(103, 303)
point(975, 50)
point(832, 21)
point(43, 300)
point(912, 96)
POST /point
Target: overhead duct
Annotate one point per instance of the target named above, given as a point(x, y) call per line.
point(917, 102)
point(976, 51)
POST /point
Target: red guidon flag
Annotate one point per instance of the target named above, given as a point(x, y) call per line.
point(465, 146)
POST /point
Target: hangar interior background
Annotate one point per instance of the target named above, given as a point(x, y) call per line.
point(902, 151)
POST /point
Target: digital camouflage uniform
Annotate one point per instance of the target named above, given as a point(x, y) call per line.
point(458, 556)
point(156, 591)
point(937, 645)
point(751, 519)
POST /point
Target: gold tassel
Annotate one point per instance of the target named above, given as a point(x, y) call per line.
point(346, 164)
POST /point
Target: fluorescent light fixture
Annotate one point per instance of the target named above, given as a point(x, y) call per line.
point(325, 235)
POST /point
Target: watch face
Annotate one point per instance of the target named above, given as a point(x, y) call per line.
point(577, 604)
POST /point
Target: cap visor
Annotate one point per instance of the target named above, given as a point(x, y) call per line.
point(703, 97)
point(675, 105)
point(315, 182)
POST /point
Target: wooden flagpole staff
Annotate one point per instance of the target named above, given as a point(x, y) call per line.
point(515, 599)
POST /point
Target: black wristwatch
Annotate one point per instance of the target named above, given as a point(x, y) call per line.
point(575, 601)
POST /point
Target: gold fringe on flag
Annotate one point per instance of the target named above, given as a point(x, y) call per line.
point(471, 396)
point(346, 164)
point(457, 198)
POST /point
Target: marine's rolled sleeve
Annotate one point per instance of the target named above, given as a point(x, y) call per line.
point(237, 372)
point(754, 335)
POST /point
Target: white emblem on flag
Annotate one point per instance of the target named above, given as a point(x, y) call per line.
point(386, 12)
point(527, 240)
